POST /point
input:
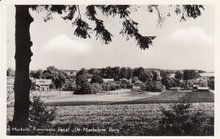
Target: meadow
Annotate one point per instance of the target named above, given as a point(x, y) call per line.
point(115, 113)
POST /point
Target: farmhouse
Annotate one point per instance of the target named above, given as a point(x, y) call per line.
point(198, 88)
point(42, 84)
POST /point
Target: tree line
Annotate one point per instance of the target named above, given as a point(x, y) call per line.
point(60, 79)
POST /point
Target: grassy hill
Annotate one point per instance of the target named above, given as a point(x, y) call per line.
point(169, 97)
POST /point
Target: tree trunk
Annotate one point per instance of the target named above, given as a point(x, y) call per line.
point(23, 55)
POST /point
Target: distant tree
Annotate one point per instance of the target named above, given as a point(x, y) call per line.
point(123, 73)
point(60, 80)
point(138, 71)
point(164, 74)
point(135, 79)
point(94, 71)
point(58, 77)
point(82, 84)
point(156, 75)
point(96, 79)
point(190, 74)
point(179, 75)
point(153, 86)
point(10, 72)
point(125, 83)
point(69, 86)
point(211, 83)
point(146, 76)
point(116, 71)
point(52, 69)
point(38, 74)
point(167, 82)
point(130, 73)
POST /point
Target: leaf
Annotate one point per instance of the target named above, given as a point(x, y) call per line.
point(82, 28)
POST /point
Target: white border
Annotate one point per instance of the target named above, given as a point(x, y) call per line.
point(3, 56)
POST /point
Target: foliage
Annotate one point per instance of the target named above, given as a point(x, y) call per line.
point(211, 83)
point(110, 86)
point(139, 83)
point(146, 76)
point(164, 74)
point(82, 84)
point(69, 86)
point(57, 76)
point(153, 86)
point(135, 79)
point(190, 74)
point(179, 121)
point(97, 87)
point(179, 75)
point(40, 116)
point(130, 27)
point(167, 82)
point(96, 79)
point(124, 83)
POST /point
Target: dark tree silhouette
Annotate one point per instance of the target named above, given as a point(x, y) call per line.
point(23, 39)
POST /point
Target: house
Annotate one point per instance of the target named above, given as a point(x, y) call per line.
point(106, 80)
point(198, 88)
point(10, 83)
point(42, 84)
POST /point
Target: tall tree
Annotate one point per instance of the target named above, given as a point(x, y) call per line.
point(190, 74)
point(23, 39)
point(179, 75)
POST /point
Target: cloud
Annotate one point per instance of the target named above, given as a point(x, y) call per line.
point(192, 34)
point(64, 43)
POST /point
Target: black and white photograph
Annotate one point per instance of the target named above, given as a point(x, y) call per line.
point(110, 70)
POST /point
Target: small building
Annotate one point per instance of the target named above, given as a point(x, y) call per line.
point(43, 84)
point(198, 88)
point(106, 80)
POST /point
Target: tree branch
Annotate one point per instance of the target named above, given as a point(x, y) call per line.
point(78, 9)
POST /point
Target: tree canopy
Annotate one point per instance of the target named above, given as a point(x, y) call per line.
point(130, 28)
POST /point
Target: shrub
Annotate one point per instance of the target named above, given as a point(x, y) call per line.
point(135, 79)
point(96, 79)
point(139, 83)
point(153, 86)
point(84, 88)
point(211, 83)
point(69, 86)
point(179, 121)
point(97, 87)
point(126, 84)
point(40, 116)
point(110, 86)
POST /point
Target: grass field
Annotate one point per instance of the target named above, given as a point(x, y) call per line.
point(134, 119)
point(118, 112)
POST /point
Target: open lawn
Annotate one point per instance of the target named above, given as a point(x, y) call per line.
point(124, 96)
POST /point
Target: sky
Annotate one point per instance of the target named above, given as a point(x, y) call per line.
point(179, 45)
